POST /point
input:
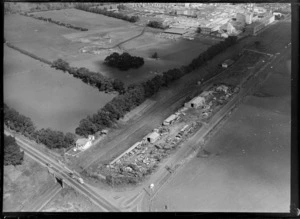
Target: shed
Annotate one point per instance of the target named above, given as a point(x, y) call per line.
point(227, 63)
point(222, 88)
point(196, 102)
point(170, 119)
point(174, 30)
point(153, 137)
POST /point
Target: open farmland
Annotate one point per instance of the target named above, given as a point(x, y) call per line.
point(50, 41)
point(246, 166)
point(49, 97)
point(24, 184)
point(85, 19)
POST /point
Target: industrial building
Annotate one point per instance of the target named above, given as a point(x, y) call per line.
point(153, 137)
point(195, 102)
point(259, 24)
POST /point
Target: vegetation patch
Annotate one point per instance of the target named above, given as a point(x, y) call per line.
point(24, 125)
point(87, 7)
point(12, 153)
point(92, 78)
point(124, 61)
point(54, 22)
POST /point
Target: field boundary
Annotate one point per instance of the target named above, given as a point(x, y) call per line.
point(28, 54)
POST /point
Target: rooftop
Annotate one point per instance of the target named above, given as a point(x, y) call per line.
point(82, 141)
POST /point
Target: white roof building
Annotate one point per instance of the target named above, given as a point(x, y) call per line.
point(153, 137)
point(196, 102)
point(170, 119)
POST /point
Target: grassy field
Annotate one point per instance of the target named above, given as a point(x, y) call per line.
point(69, 200)
point(49, 97)
point(51, 42)
point(23, 184)
point(248, 167)
point(85, 19)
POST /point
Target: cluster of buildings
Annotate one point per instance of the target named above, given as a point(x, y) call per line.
point(218, 20)
point(142, 157)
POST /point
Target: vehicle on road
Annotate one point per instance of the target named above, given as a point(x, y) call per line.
point(80, 180)
point(72, 175)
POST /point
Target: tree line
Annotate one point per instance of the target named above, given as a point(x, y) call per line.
point(92, 78)
point(124, 61)
point(85, 7)
point(54, 22)
point(157, 24)
point(28, 53)
point(24, 125)
point(12, 153)
point(136, 94)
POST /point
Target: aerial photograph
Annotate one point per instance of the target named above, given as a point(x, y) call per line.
point(146, 107)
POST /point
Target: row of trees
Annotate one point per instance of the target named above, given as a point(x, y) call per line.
point(92, 78)
point(84, 7)
point(55, 22)
point(24, 125)
point(12, 153)
point(135, 94)
point(156, 24)
point(28, 53)
point(124, 61)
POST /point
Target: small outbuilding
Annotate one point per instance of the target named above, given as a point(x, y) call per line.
point(84, 143)
point(170, 119)
point(153, 137)
point(174, 30)
point(227, 63)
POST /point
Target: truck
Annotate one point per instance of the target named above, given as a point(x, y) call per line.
point(80, 180)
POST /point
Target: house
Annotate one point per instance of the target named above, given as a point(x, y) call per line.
point(84, 143)
point(170, 119)
point(196, 102)
point(153, 137)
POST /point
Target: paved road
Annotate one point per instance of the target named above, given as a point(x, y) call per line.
point(62, 172)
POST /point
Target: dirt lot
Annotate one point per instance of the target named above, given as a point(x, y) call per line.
point(23, 184)
point(248, 167)
point(68, 200)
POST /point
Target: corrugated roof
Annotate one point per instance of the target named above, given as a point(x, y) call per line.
point(153, 135)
